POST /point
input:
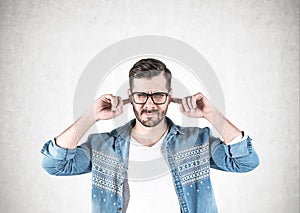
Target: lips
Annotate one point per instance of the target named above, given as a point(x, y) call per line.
point(149, 112)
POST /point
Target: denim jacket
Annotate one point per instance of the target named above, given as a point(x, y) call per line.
point(189, 151)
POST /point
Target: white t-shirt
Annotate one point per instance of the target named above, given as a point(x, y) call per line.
point(150, 181)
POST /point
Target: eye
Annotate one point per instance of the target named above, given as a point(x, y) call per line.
point(159, 95)
point(159, 98)
point(141, 95)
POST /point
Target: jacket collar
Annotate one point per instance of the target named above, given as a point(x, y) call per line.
point(122, 138)
point(125, 130)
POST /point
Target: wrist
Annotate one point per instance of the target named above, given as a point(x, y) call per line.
point(90, 116)
point(210, 115)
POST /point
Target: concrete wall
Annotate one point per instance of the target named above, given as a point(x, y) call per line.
point(253, 47)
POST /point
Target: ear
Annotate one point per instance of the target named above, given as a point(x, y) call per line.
point(129, 93)
point(170, 95)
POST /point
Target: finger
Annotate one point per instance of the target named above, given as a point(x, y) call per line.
point(189, 103)
point(194, 102)
point(114, 103)
point(120, 103)
point(176, 100)
point(126, 101)
point(199, 100)
point(107, 99)
point(199, 96)
point(184, 104)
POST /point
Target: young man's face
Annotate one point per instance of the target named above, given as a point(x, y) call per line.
point(150, 114)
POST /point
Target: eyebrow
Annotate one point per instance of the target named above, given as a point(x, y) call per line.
point(152, 92)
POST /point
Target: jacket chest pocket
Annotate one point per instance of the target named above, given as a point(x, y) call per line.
point(193, 164)
point(107, 173)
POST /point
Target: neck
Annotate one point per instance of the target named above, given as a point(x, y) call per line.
point(149, 136)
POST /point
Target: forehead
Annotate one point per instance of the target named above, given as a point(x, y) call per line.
point(155, 84)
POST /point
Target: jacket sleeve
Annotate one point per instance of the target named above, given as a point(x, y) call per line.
point(64, 162)
point(238, 157)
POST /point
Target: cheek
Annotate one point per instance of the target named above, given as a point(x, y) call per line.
point(164, 108)
point(136, 107)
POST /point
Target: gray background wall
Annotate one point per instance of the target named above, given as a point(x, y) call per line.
point(253, 46)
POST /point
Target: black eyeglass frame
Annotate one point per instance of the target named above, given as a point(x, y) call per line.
point(150, 95)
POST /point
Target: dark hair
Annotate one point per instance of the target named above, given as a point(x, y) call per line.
point(149, 68)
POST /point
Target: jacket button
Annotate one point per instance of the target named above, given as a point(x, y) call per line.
point(119, 209)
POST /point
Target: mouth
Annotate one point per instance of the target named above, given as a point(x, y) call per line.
point(149, 112)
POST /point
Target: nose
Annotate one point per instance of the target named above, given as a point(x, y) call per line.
point(149, 102)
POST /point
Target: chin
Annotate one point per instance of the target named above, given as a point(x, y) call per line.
point(150, 122)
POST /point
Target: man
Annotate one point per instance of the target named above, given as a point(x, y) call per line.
point(189, 152)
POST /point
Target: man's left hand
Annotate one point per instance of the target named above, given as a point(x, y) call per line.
point(196, 106)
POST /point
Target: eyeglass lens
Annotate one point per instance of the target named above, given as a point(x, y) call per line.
point(157, 98)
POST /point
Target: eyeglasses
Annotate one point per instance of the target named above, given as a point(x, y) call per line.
point(157, 97)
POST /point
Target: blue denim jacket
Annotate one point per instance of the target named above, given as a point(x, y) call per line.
point(189, 151)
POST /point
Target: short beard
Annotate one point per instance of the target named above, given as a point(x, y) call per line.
point(150, 122)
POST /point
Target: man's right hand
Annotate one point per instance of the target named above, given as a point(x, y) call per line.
point(104, 108)
point(107, 107)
